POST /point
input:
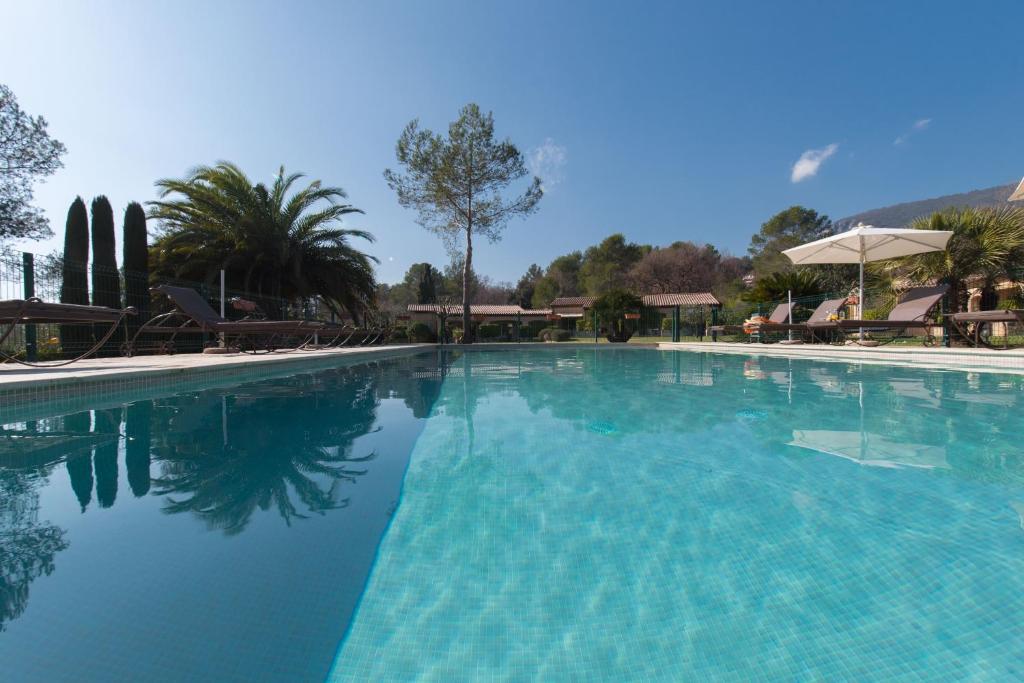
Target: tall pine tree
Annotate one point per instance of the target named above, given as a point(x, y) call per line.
point(74, 287)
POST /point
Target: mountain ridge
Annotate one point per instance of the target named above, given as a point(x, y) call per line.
point(900, 215)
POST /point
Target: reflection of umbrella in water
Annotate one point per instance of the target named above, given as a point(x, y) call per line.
point(872, 450)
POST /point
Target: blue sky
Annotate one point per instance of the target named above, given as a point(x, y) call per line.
point(664, 121)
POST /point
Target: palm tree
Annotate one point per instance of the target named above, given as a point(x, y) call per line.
point(777, 286)
point(267, 241)
point(987, 244)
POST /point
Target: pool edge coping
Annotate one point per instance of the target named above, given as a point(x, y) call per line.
point(959, 360)
point(22, 397)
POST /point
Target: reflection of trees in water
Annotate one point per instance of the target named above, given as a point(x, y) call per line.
point(104, 459)
point(27, 546)
point(614, 391)
point(287, 446)
point(137, 418)
point(974, 418)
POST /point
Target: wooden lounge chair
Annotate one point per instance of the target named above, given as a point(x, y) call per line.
point(976, 327)
point(192, 314)
point(30, 311)
point(778, 317)
point(914, 311)
point(820, 314)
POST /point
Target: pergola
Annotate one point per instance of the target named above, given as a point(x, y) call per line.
point(669, 303)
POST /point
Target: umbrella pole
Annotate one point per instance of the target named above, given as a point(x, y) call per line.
point(789, 318)
point(860, 295)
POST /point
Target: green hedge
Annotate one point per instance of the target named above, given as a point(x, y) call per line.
point(488, 331)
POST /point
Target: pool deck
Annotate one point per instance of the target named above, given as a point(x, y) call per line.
point(980, 360)
point(13, 376)
point(94, 382)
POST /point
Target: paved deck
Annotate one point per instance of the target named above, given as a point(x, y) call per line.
point(13, 376)
point(981, 360)
point(31, 393)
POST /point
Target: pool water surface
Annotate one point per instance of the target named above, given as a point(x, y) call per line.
point(545, 514)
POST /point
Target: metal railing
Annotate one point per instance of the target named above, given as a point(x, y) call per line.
point(24, 275)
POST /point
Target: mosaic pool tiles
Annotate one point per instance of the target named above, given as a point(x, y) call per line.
point(627, 530)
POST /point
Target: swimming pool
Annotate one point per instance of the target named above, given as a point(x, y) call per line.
point(545, 514)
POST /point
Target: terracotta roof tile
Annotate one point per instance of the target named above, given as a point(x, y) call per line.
point(476, 309)
point(694, 299)
point(584, 301)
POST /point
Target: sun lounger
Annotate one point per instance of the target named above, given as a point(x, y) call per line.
point(192, 314)
point(14, 312)
point(779, 316)
point(914, 311)
point(820, 314)
point(976, 327)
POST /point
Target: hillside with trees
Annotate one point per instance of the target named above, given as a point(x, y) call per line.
point(901, 215)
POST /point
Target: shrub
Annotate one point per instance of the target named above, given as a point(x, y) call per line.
point(612, 309)
point(534, 327)
point(489, 331)
point(400, 334)
point(555, 334)
point(421, 332)
point(1012, 301)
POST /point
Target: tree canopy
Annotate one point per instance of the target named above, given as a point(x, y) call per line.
point(606, 266)
point(276, 241)
point(456, 184)
point(789, 228)
point(527, 285)
point(987, 244)
point(27, 154)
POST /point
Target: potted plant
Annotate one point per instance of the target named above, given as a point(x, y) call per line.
point(612, 309)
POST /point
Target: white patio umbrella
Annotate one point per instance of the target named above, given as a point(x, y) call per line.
point(865, 243)
point(1018, 194)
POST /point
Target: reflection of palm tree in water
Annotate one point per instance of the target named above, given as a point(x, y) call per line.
point(27, 546)
point(265, 446)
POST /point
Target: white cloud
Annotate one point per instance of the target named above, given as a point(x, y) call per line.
point(919, 125)
point(810, 161)
point(547, 162)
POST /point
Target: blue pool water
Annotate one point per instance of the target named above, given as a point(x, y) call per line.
point(545, 514)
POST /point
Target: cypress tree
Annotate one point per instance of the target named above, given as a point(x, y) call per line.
point(136, 264)
point(106, 282)
point(74, 286)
